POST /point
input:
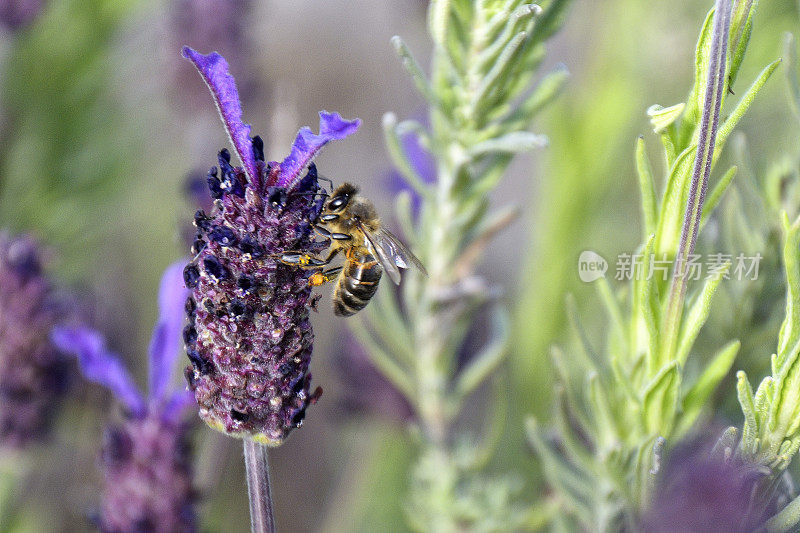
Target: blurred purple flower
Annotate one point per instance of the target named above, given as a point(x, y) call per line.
point(250, 338)
point(698, 491)
point(146, 459)
point(33, 375)
point(421, 161)
point(15, 14)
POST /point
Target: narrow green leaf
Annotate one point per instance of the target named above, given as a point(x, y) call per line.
point(586, 351)
point(403, 212)
point(604, 421)
point(716, 195)
point(486, 361)
point(575, 449)
point(647, 297)
point(385, 319)
point(544, 93)
point(513, 23)
point(694, 103)
point(697, 316)
point(744, 392)
point(614, 312)
point(672, 203)
point(744, 104)
point(790, 329)
point(413, 68)
point(660, 401)
point(763, 401)
point(647, 188)
point(566, 369)
point(510, 143)
point(566, 479)
point(385, 361)
point(695, 399)
point(438, 18)
point(500, 69)
point(741, 28)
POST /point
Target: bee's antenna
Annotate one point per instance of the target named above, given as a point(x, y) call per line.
point(308, 194)
point(326, 179)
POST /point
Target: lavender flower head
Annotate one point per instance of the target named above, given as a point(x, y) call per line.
point(250, 338)
point(146, 459)
point(32, 372)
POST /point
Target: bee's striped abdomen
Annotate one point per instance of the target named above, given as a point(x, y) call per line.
point(356, 285)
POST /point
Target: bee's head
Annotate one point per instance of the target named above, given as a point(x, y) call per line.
point(341, 197)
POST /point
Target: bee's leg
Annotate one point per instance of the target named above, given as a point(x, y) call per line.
point(305, 260)
point(299, 259)
point(320, 278)
point(322, 231)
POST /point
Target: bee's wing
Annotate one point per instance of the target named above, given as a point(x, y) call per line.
point(385, 258)
point(402, 256)
point(392, 253)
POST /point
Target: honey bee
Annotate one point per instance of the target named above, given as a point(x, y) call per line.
point(351, 225)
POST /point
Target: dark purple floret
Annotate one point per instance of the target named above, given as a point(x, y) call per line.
point(33, 373)
point(251, 339)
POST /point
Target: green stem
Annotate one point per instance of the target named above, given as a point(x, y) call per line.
point(715, 87)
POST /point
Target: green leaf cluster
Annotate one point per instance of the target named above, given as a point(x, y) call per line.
point(616, 408)
point(482, 98)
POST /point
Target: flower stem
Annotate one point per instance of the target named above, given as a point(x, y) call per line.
point(258, 487)
point(715, 88)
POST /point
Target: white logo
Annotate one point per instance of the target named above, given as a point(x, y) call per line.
point(591, 266)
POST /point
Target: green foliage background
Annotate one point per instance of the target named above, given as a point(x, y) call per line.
point(94, 151)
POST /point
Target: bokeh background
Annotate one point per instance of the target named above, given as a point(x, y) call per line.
point(103, 124)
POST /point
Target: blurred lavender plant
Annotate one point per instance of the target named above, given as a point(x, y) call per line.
point(146, 460)
point(616, 410)
point(16, 14)
point(33, 374)
point(481, 101)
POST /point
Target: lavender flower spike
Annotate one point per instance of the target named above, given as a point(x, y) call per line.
point(32, 373)
point(146, 459)
point(250, 338)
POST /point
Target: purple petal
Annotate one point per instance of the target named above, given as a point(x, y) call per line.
point(214, 70)
point(100, 365)
point(164, 346)
point(332, 127)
